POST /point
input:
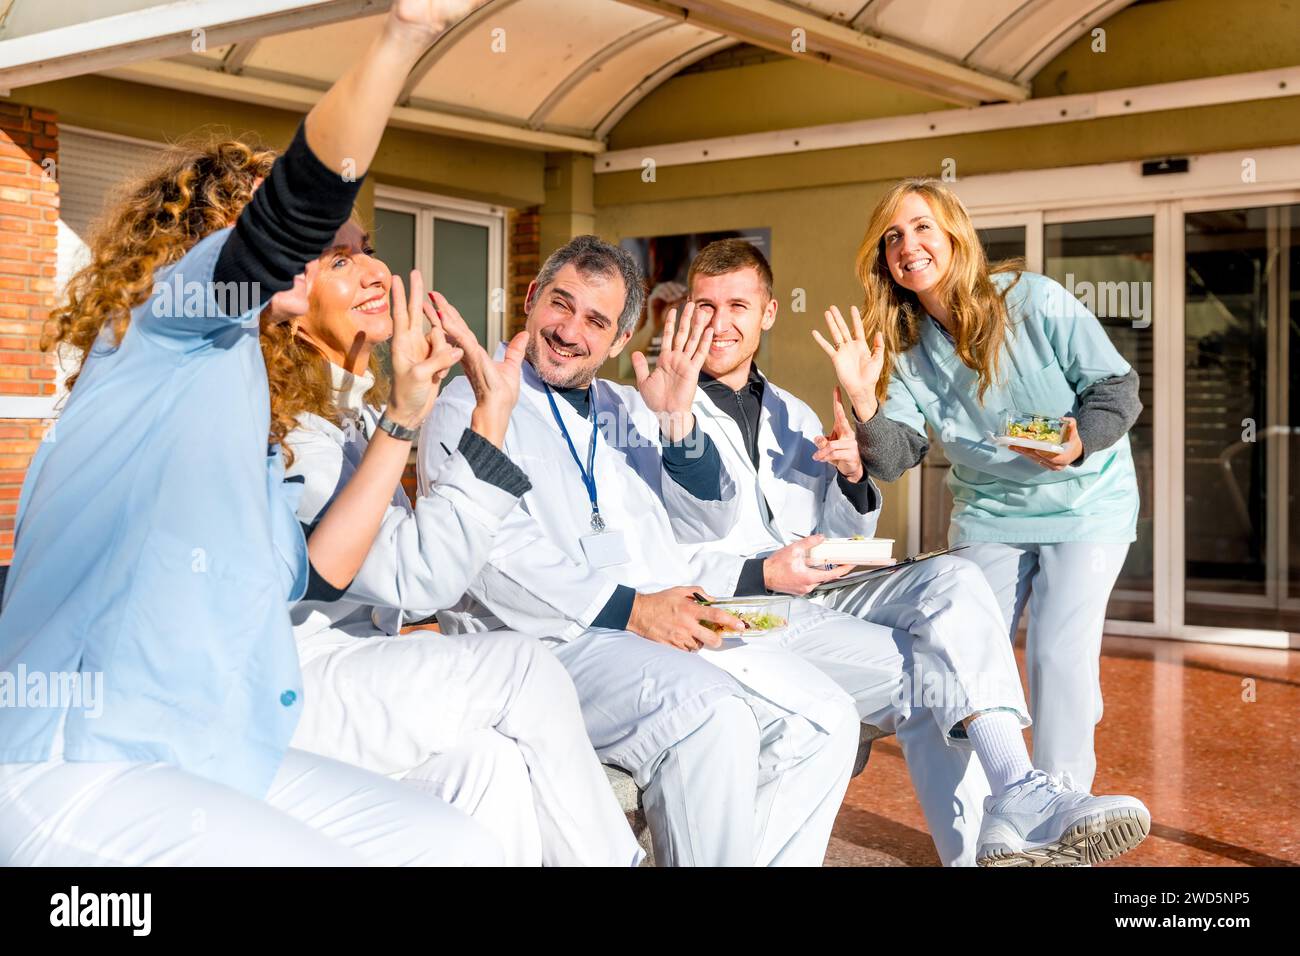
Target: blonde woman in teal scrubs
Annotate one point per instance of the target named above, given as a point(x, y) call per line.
point(946, 342)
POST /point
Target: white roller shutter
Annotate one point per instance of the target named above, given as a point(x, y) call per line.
point(91, 165)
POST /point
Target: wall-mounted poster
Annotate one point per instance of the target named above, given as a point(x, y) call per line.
point(665, 261)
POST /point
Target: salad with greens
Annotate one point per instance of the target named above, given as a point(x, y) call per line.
point(753, 621)
point(757, 614)
point(1035, 428)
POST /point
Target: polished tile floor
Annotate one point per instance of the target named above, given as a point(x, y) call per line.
point(1207, 735)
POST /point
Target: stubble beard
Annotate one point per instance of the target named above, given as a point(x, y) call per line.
point(580, 378)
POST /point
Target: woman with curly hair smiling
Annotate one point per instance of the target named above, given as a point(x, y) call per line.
point(491, 726)
point(157, 548)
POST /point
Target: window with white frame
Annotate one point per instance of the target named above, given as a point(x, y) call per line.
point(459, 248)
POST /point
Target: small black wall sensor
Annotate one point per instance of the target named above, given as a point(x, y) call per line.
point(1163, 167)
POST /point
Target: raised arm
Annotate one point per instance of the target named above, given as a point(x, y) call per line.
point(296, 213)
point(699, 494)
point(341, 541)
point(528, 582)
point(850, 502)
point(312, 187)
point(890, 441)
point(423, 558)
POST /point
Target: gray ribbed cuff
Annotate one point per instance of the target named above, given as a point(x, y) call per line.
point(1107, 410)
point(889, 448)
point(489, 463)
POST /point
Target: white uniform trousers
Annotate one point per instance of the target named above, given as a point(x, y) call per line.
point(318, 812)
point(489, 723)
point(938, 623)
point(730, 778)
point(1066, 587)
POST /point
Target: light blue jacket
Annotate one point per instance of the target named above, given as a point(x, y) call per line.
point(1056, 349)
point(157, 545)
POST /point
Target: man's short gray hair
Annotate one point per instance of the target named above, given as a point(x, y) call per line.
point(591, 255)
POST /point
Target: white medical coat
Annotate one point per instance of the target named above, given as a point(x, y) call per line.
point(538, 579)
point(804, 495)
point(423, 555)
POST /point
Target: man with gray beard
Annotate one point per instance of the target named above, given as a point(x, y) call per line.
point(743, 752)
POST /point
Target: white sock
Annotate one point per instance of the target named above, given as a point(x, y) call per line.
point(998, 742)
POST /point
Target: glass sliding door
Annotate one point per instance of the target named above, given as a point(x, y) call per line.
point(1198, 287)
point(1240, 467)
point(1109, 264)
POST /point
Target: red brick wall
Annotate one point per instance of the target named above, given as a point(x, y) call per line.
point(523, 227)
point(411, 480)
point(29, 211)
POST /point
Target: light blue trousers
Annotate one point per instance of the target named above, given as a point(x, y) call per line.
point(1065, 587)
point(945, 624)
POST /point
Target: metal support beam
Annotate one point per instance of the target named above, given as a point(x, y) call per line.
point(659, 76)
point(251, 89)
point(801, 33)
point(237, 56)
point(1158, 97)
point(444, 44)
point(591, 65)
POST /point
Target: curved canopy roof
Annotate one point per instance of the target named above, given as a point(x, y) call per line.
point(550, 74)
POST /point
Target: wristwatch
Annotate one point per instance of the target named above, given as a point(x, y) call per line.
point(400, 432)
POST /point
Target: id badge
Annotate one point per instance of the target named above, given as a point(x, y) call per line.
point(604, 549)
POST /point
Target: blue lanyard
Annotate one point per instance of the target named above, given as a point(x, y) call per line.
point(588, 473)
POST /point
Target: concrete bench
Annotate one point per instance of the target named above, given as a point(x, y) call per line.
point(629, 796)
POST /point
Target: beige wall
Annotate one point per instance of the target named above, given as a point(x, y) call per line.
point(469, 170)
point(1178, 40)
point(781, 94)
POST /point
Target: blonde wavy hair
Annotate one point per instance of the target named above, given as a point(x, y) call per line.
point(978, 307)
point(194, 189)
point(299, 378)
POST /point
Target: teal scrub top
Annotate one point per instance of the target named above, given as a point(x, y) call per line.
point(1055, 350)
point(157, 551)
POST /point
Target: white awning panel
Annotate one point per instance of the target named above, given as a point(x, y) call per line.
point(545, 74)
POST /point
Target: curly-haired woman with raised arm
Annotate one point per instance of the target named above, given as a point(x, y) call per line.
point(157, 547)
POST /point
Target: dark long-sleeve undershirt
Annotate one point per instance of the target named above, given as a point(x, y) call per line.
point(290, 220)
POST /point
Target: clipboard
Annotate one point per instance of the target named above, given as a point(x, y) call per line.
point(857, 577)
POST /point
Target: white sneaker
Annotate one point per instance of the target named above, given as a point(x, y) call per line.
point(1041, 821)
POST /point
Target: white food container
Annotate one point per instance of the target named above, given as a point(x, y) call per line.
point(777, 606)
point(852, 551)
point(1030, 422)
